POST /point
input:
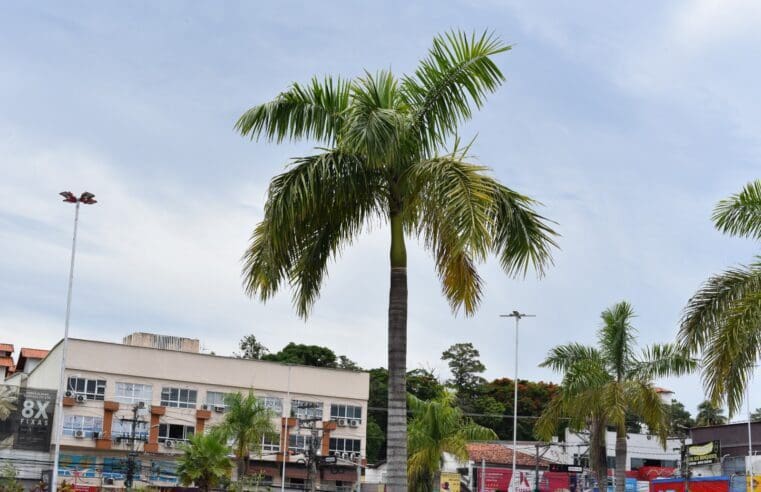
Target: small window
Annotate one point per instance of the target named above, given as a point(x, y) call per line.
point(178, 397)
point(299, 444)
point(215, 398)
point(75, 424)
point(349, 412)
point(349, 448)
point(134, 393)
point(302, 409)
point(175, 432)
point(270, 445)
point(92, 389)
point(272, 403)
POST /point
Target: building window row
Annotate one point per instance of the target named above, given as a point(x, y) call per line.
point(178, 397)
point(299, 444)
point(92, 389)
point(131, 393)
point(175, 432)
point(303, 409)
point(348, 412)
point(347, 448)
point(270, 444)
point(82, 426)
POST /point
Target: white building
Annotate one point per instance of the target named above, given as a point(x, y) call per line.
point(181, 392)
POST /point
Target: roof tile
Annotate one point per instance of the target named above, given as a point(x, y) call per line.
point(501, 454)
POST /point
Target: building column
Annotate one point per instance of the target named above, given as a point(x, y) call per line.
point(285, 426)
point(327, 427)
point(152, 446)
point(104, 440)
point(201, 417)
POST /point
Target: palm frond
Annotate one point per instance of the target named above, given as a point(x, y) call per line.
point(644, 400)
point(617, 337)
point(458, 72)
point(521, 237)
point(314, 110)
point(714, 302)
point(562, 357)
point(312, 210)
point(664, 360)
point(740, 214)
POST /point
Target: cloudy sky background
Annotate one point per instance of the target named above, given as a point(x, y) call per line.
point(629, 122)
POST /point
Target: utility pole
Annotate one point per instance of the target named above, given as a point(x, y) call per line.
point(132, 456)
point(517, 315)
point(312, 447)
point(88, 199)
point(536, 469)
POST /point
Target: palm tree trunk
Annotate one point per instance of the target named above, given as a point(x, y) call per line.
point(621, 459)
point(598, 453)
point(397, 361)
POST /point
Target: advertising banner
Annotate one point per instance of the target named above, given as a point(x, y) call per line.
point(704, 453)
point(26, 418)
point(449, 481)
point(498, 480)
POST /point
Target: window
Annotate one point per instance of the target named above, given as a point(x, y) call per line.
point(178, 398)
point(349, 412)
point(134, 393)
point(298, 443)
point(123, 428)
point(88, 425)
point(175, 432)
point(270, 445)
point(273, 403)
point(306, 409)
point(93, 389)
point(215, 398)
point(340, 445)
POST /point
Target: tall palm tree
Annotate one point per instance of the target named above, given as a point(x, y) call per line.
point(710, 414)
point(438, 426)
point(204, 461)
point(383, 162)
point(601, 384)
point(723, 319)
point(245, 423)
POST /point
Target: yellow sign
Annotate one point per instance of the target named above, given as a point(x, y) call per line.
point(449, 482)
point(756, 487)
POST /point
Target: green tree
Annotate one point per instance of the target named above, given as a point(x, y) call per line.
point(8, 479)
point(680, 419)
point(601, 384)
point(375, 439)
point(245, 422)
point(251, 348)
point(533, 398)
point(465, 366)
point(756, 415)
point(346, 363)
point(204, 461)
point(438, 426)
point(383, 160)
point(709, 414)
point(305, 355)
point(723, 319)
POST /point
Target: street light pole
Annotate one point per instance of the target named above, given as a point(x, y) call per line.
point(517, 316)
point(88, 199)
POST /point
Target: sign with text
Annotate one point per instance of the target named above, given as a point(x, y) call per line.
point(498, 480)
point(704, 453)
point(449, 481)
point(26, 418)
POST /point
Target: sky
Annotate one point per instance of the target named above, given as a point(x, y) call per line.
point(627, 121)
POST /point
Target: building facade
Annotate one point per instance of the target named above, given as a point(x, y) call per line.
point(174, 392)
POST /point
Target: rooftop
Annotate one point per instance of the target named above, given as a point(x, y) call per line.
point(6, 347)
point(6, 362)
point(32, 353)
point(501, 454)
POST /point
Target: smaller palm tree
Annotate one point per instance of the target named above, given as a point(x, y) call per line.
point(246, 422)
point(205, 461)
point(710, 414)
point(437, 427)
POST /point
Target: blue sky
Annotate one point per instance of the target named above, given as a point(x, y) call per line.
point(629, 122)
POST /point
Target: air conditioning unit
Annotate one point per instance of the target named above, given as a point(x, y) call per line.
point(108, 481)
point(219, 408)
point(69, 394)
point(341, 422)
point(354, 423)
point(81, 398)
point(169, 443)
point(345, 455)
point(79, 434)
point(204, 407)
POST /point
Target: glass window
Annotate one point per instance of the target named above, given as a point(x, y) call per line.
point(273, 403)
point(215, 398)
point(122, 428)
point(92, 389)
point(349, 412)
point(270, 445)
point(175, 432)
point(78, 424)
point(302, 409)
point(178, 397)
point(347, 448)
point(299, 444)
point(133, 393)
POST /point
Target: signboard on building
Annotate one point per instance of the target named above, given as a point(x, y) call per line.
point(449, 481)
point(26, 418)
point(704, 453)
point(498, 479)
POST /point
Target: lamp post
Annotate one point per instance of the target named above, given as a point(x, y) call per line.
point(518, 316)
point(88, 199)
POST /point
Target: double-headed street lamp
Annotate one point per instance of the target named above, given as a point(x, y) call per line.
point(88, 199)
point(517, 315)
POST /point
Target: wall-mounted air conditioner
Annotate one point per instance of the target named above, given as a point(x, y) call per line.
point(81, 398)
point(341, 422)
point(169, 443)
point(354, 423)
point(219, 408)
point(69, 394)
point(204, 407)
point(79, 434)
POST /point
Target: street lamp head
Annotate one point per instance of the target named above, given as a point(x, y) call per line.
point(87, 198)
point(68, 197)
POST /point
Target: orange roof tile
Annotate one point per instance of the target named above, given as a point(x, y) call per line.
point(6, 347)
point(501, 454)
point(6, 362)
point(30, 353)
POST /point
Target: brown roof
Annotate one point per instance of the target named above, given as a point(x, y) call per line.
point(6, 362)
point(30, 353)
point(501, 454)
point(6, 347)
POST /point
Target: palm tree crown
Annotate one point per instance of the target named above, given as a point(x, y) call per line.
point(204, 461)
point(601, 384)
point(384, 161)
point(723, 319)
